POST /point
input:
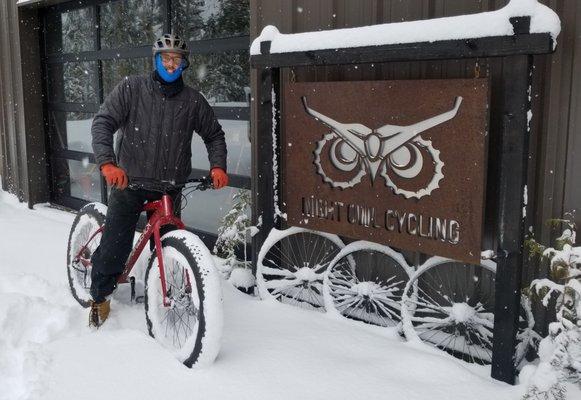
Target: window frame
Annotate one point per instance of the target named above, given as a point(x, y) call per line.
point(200, 47)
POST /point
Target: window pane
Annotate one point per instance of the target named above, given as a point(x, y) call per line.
point(222, 78)
point(238, 161)
point(131, 23)
point(205, 210)
point(85, 180)
point(115, 70)
point(73, 82)
point(79, 179)
point(70, 32)
point(71, 131)
point(210, 19)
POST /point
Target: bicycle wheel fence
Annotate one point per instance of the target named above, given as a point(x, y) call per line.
point(443, 303)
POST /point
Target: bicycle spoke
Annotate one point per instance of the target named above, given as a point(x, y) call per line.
point(367, 285)
point(178, 320)
point(80, 267)
point(450, 309)
point(292, 268)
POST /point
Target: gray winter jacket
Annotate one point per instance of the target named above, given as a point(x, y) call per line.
point(155, 130)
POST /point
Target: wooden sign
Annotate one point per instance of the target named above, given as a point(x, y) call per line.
point(401, 163)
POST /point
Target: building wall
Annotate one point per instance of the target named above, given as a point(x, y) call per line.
point(555, 171)
point(22, 143)
point(13, 154)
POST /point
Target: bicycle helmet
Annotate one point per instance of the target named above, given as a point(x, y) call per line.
point(170, 42)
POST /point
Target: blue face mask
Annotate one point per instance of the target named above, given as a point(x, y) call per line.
point(166, 76)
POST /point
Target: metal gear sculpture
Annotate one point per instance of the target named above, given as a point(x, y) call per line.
point(390, 148)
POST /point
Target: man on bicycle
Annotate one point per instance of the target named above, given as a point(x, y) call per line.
point(155, 116)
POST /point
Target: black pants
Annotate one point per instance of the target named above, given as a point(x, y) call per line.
point(109, 259)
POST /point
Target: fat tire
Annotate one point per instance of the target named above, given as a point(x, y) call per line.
point(96, 211)
point(201, 354)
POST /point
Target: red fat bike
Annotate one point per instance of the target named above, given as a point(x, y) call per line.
point(183, 299)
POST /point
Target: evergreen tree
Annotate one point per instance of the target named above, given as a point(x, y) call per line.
point(76, 31)
point(187, 20)
point(232, 232)
point(226, 78)
point(78, 77)
point(560, 351)
point(130, 23)
point(232, 19)
point(148, 18)
point(227, 75)
point(79, 82)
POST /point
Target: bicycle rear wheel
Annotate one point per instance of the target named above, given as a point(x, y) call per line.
point(88, 221)
point(190, 326)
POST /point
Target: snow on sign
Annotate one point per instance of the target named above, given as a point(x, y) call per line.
point(377, 161)
point(486, 24)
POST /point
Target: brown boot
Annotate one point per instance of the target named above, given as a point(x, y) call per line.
point(99, 313)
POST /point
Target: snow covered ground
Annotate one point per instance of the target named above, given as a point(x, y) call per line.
point(269, 351)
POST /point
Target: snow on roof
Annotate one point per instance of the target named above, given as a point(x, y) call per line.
point(494, 23)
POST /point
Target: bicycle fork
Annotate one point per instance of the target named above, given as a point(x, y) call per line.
point(159, 255)
point(157, 239)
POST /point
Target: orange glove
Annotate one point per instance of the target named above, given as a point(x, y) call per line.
point(114, 176)
point(219, 177)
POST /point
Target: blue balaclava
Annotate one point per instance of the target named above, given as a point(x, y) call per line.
point(166, 76)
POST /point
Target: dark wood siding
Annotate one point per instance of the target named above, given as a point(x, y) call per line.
point(22, 150)
point(13, 151)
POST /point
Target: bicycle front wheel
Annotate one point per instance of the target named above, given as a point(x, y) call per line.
point(189, 324)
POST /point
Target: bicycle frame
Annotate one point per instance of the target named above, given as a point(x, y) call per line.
point(162, 215)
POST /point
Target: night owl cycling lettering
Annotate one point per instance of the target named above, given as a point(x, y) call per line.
point(445, 230)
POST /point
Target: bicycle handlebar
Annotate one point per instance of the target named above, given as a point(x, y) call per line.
point(204, 183)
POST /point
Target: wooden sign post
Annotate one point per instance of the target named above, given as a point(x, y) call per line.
point(268, 182)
